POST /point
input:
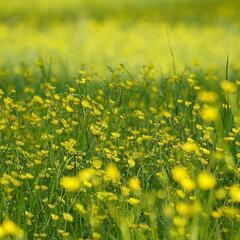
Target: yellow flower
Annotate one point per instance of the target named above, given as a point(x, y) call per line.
point(86, 104)
point(188, 184)
point(37, 99)
point(63, 233)
point(9, 228)
point(54, 217)
point(235, 193)
point(230, 211)
point(183, 209)
point(80, 208)
point(112, 173)
point(29, 176)
point(97, 164)
point(206, 181)
point(220, 193)
point(190, 209)
point(71, 184)
point(209, 114)
point(179, 173)
point(180, 193)
point(133, 201)
point(115, 135)
point(125, 191)
point(134, 184)
point(179, 221)
point(69, 109)
point(207, 96)
point(216, 214)
point(190, 146)
point(69, 145)
point(228, 86)
point(96, 235)
point(86, 175)
point(131, 162)
point(68, 217)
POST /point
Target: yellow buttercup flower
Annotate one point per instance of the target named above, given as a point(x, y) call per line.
point(209, 114)
point(190, 146)
point(228, 86)
point(179, 173)
point(133, 201)
point(206, 181)
point(80, 208)
point(9, 228)
point(86, 175)
point(54, 217)
point(188, 184)
point(69, 109)
point(234, 193)
point(71, 184)
point(207, 96)
point(112, 173)
point(68, 217)
point(134, 184)
point(86, 104)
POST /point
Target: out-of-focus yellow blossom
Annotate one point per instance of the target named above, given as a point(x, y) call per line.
point(71, 184)
point(80, 208)
point(96, 236)
point(188, 209)
point(217, 214)
point(125, 191)
point(209, 113)
point(234, 193)
point(115, 135)
point(206, 181)
point(97, 164)
point(180, 193)
point(131, 162)
point(86, 104)
point(55, 217)
point(112, 173)
point(134, 184)
point(37, 99)
point(86, 175)
point(228, 86)
point(207, 96)
point(179, 173)
point(133, 201)
point(220, 193)
point(188, 184)
point(63, 233)
point(230, 211)
point(181, 176)
point(190, 146)
point(68, 217)
point(9, 228)
point(69, 109)
point(180, 221)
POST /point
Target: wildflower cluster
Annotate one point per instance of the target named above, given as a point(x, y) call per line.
point(139, 158)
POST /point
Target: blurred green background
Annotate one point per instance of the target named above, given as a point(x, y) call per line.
point(134, 32)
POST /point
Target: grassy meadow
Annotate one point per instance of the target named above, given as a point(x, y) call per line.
point(120, 120)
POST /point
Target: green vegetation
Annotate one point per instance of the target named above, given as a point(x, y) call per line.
point(119, 120)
